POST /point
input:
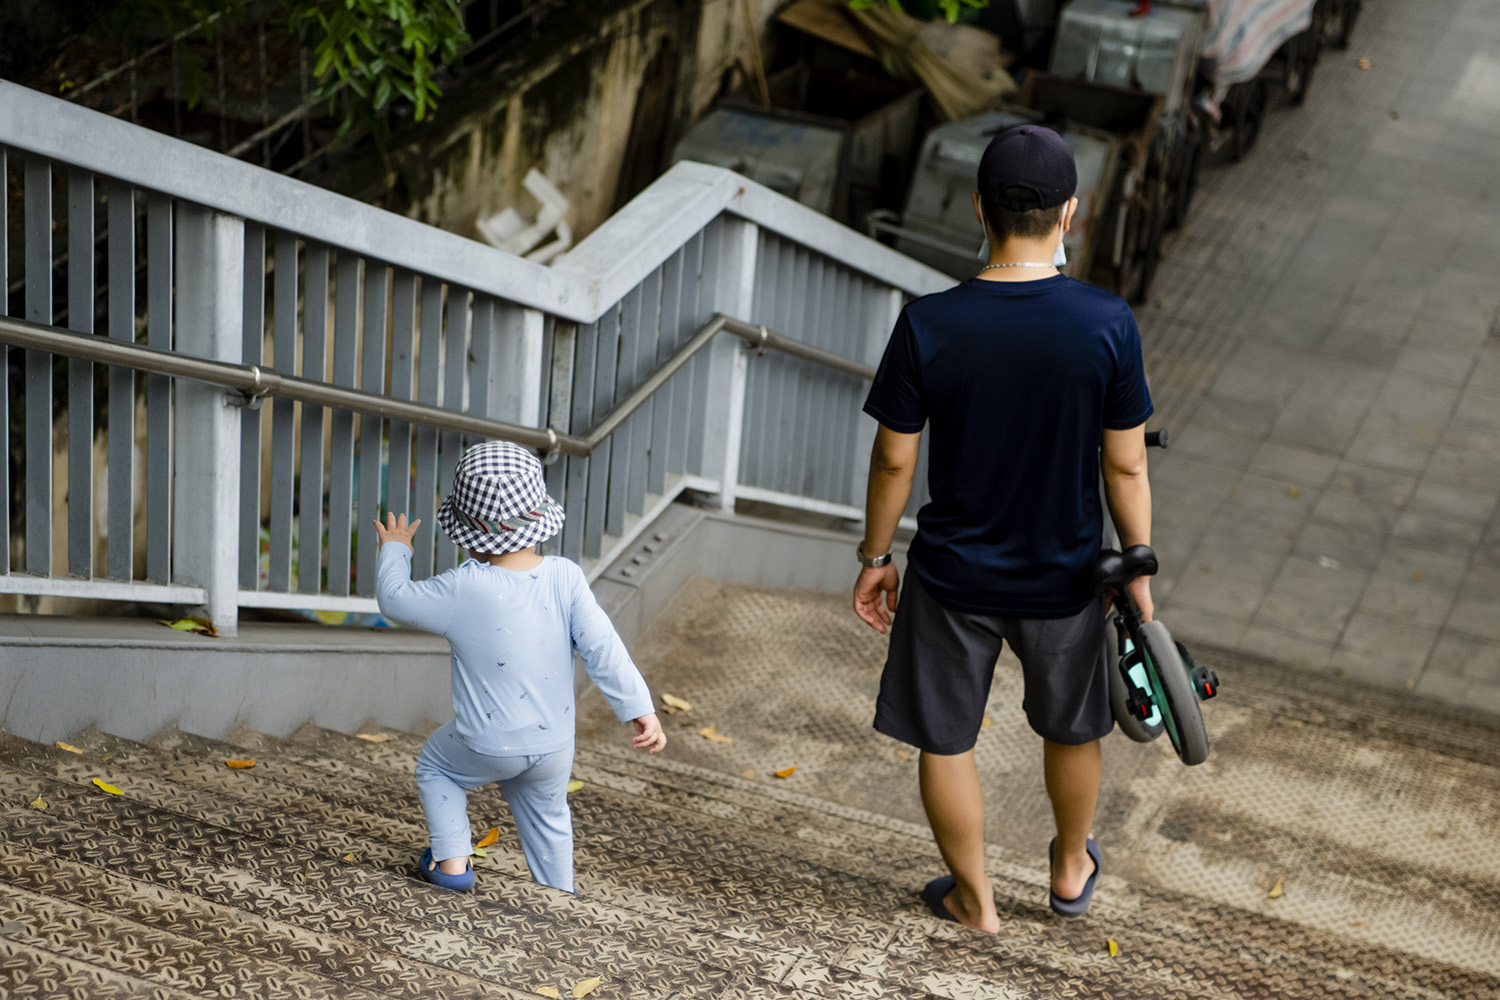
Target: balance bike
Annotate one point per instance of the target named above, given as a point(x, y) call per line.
point(1154, 685)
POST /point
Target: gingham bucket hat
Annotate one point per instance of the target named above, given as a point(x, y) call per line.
point(499, 502)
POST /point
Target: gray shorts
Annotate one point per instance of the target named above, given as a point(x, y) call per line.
point(938, 672)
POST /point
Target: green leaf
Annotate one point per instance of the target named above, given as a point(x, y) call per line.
point(382, 92)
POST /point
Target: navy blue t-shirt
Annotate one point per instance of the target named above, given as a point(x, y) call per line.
point(1018, 381)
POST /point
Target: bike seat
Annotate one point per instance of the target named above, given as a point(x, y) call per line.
point(1113, 570)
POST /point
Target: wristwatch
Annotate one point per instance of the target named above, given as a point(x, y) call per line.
point(870, 562)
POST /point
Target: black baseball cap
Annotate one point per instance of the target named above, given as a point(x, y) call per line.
point(1027, 167)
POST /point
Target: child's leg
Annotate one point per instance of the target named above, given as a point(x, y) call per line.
point(538, 799)
point(446, 769)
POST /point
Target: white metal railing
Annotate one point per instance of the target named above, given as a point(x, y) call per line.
point(173, 496)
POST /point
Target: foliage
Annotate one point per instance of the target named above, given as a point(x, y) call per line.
point(951, 8)
point(366, 52)
point(379, 49)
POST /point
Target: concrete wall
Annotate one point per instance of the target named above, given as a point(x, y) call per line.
point(133, 677)
point(566, 105)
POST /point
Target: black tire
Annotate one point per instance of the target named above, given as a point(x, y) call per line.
point(1342, 23)
point(1301, 59)
point(1184, 182)
point(1191, 743)
point(1119, 691)
point(1249, 115)
point(1150, 247)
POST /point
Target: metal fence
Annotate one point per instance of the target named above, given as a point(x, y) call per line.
point(162, 492)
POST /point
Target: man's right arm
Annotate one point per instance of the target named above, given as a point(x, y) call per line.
point(1127, 490)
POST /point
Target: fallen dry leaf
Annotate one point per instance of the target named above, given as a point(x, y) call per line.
point(674, 704)
point(351, 857)
point(67, 746)
point(712, 733)
point(1364, 64)
point(748, 773)
point(1294, 492)
point(1276, 891)
point(1114, 947)
point(111, 789)
point(548, 991)
point(374, 737)
point(38, 803)
point(986, 722)
point(785, 772)
point(200, 625)
point(584, 987)
point(1417, 575)
point(489, 838)
point(574, 786)
point(241, 764)
point(904, 755)
point(480, 852)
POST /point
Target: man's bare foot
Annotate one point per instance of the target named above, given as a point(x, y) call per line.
point(971, 911)
point(1070, 873)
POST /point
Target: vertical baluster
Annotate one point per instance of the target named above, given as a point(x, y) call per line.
point(310, 467)
point(252, 352)
point(403, 333)
point(38, 367)
point(283, 414)
point(767, 307)
point(705, 293)
point(647, 347)
point(371, 379)
point(455, 358)
point(622, 448)
point(689, 318)
point(429, 388)
point(341, 424)
point(807, 444)
point(605, 363)
point(838, 461)
point(159, 430)
point(665, 409)
point(122, 251)
point(5, 365)
point(561, 341)
point(481, 351)
point(585, 355)
point(786, 455)
point(80, 375)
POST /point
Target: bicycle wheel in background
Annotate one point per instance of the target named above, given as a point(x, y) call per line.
point(1185, 725)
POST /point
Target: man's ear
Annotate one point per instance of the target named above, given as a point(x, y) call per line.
point(1068, 210)
point(979, 214)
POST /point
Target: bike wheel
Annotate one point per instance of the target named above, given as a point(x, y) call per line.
point(1185, 726)
point(1120, 686)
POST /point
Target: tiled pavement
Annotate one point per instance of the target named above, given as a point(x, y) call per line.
point(1324, 346)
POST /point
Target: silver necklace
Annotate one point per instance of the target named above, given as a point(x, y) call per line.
point(1019, 263)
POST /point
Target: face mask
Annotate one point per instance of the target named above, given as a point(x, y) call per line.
point(1060, 258)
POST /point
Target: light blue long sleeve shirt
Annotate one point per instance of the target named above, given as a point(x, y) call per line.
point(513, 633)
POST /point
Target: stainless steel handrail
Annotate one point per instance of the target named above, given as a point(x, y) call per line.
point(256, 383)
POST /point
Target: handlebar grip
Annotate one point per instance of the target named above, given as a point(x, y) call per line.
point(1157, 439)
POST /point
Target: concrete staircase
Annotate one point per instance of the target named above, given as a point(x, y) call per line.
point(293, 878)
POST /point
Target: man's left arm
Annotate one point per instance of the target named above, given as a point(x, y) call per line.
point(893, 466)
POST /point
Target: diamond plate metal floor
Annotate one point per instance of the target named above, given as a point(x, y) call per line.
point(292, 878)
point(1376, 815)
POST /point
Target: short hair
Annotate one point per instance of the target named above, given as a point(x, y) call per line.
point(1032, 224)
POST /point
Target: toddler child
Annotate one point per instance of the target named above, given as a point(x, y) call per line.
point(513, 619)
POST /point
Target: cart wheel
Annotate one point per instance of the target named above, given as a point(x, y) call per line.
point(1249, 114)
point(1144, 223)
point(1341, 23)
point(1185, 183)
point(1120, 689)
point(1301, 59)
point(1185, 725)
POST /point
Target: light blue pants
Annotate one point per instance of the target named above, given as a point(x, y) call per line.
point(535, 787)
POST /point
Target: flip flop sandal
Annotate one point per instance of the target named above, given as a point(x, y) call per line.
point(1079, 905)
point(933, 893)
point(428, 870)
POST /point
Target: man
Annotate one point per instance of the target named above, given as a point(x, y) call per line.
point(1030, 382)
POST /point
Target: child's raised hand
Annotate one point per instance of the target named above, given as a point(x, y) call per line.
point(648, 734)
point(395, 529)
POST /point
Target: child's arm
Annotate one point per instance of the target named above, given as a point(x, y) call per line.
point(428, 605)
point(610, 667)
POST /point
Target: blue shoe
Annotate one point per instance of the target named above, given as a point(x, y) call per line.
point(933, 894)
point(428, 869)
point(1079, 905)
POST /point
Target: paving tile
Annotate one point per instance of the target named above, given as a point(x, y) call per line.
point(1405, 424)
point(1363, 498)
point(1182, 481)
point(1476, 611)
point(1190, 625)
point(1481, 695)
point(1338, 548)
point(1382, 650)
point(1312, 599)
point(1464, 658)
point(1326, 411)
point(1301, 466)
point(1437, 533)
point(1435, 364)
point(1272, 500)
point(1457, 336)
point(1214, 446)
point(1230, 572)
point(1465, 503)
point(1284, 647)
point(1414, 585)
